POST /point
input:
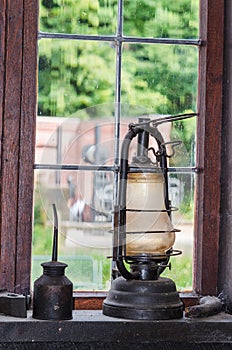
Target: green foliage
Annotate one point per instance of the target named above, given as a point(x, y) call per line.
point(161, 18)
point(77, 74)
point(83, 16)
point(38, 214)
point(71, 76)
point(185, 132)
point(181, 272)
point(42, 240)
point(87, 272)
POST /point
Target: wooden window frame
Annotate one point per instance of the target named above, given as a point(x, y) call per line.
point(18, 62)
point(210, 104)
point(18, 90)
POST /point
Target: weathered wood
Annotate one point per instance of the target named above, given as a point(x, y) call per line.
point(209, 147)
point(17, 122)
point(94, 300)
point(27, 146)
point(2, 65)
point(10, 137)
point(225, 261)
point(18, 87)
point(88, 300)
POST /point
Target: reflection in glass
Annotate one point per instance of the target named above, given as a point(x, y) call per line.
point(80, 196)
point(185, 153)
point(74, 75)
point(84, 198)
point(84, 203)
point(76, 79)
point(78, 17)
point(181, 191)
point(161, 19)
point(164, 77)
point(76, 140)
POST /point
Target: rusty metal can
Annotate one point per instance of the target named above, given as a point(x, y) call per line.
point(53, 293)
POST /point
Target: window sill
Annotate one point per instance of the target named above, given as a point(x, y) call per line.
point(91, 329)
point(88, 300)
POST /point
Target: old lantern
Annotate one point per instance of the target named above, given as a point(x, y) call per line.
point(143, 232)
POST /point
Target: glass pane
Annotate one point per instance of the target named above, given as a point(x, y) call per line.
point(84, 205)
point(74, 75)
point(181, 191)
point(164, 77)
point(161, 18)
point(78, 17)
point(75, 141)
point(185, 152)
point(179, 138)
point(84, 199)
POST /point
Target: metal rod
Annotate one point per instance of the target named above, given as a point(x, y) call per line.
point(59, 151)
point(147, 232)
point(184, 170)
point(122, 203)
point(121, 39)
point(120, 19)
point(66, 36)
point(114, 168)
point(173, 118)
point(143, 141)
point(117, 111)
point(75, 167)
point(117, 115)
point(55, 235)
point(166, 119)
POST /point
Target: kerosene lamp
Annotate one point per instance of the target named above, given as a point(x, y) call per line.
point(143, 232)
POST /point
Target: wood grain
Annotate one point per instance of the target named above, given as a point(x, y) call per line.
point(17, 129)
point(209, 147)
point(18, 87)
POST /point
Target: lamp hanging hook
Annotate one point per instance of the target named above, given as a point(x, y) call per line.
point(173, 144)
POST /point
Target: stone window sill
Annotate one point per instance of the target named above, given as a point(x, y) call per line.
point(90, 329)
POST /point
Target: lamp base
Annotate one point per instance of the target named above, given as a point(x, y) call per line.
point(143, 300)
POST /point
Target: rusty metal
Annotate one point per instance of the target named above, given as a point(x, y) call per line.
point(140, 293)
point(14, 304)
point(53, 293)
point(143, 300)
point(53, 299)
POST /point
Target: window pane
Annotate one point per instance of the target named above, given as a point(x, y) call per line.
point(181, 192)
point(184, 131)
point(161, 18)
point(80, 124)
point(178, 137)
point(71, 76)
point(84, 205)
point(78, 17)
point(75, 141)
point(164, 77)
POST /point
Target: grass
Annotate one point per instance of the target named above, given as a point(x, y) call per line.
point(87, 268)
point(181, 272)
point(90, 270)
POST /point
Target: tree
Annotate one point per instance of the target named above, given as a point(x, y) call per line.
point(77, 74)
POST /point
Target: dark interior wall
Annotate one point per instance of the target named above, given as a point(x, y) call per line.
point(225, 261)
